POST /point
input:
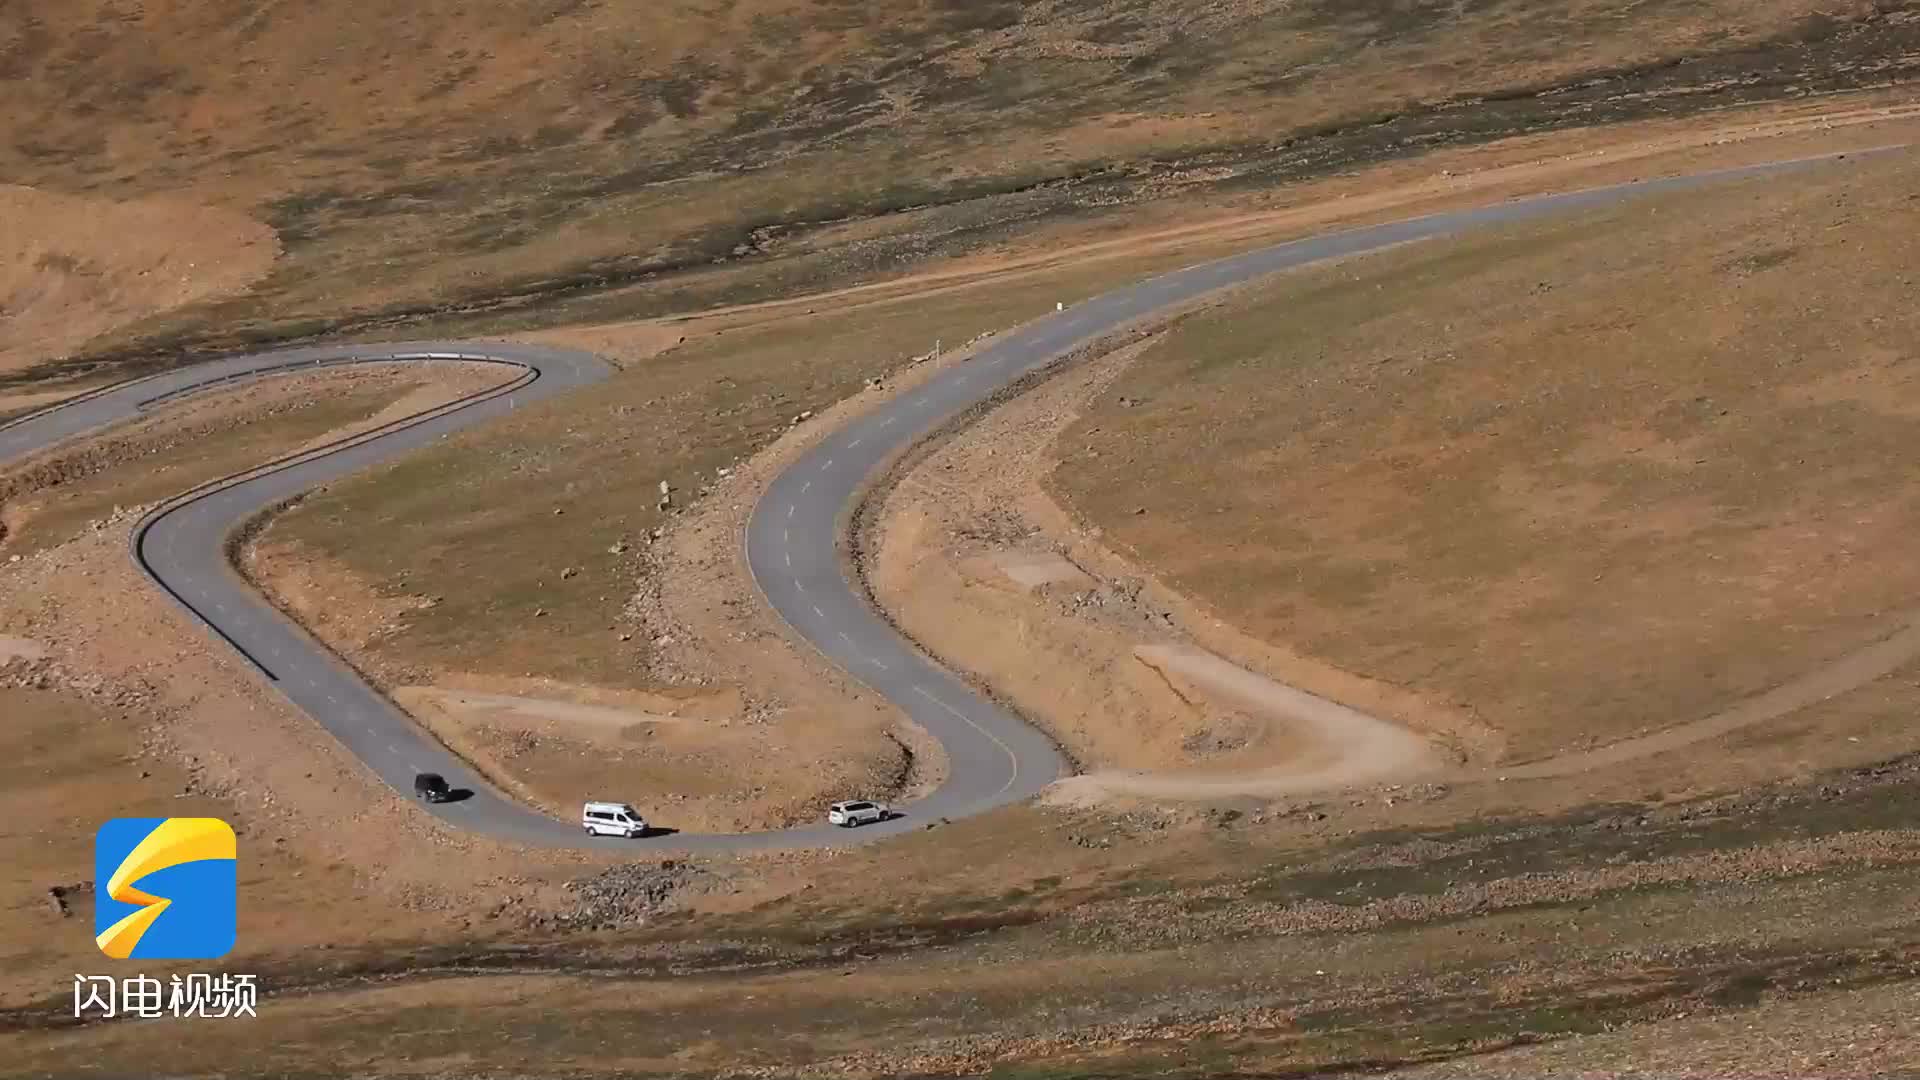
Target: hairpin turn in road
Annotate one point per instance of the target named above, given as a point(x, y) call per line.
point(792, 537)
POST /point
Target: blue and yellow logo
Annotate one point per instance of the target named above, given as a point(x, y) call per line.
point(165, 888)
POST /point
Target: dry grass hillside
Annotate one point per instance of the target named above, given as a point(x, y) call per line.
point(439, 157)
point(1587, 479)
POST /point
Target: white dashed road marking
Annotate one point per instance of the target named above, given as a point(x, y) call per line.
point(968, 720)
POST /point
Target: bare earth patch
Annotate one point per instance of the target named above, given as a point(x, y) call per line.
point(695, 755)
point(19, 648)
point(678, 757)
point(73, 267)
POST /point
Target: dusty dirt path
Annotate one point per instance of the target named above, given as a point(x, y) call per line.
point(1850, 672)
point(1432, 182)
point(1339, 747)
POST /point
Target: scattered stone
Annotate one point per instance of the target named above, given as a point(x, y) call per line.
point(626, 895)
point(58, 897)
point(569, 572)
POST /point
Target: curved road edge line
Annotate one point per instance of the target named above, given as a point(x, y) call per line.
point(137, 540)
point(971, 786)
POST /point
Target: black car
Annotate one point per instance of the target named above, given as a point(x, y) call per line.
point(431, 787)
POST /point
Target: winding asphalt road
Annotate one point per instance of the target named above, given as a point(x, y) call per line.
point(792, 540)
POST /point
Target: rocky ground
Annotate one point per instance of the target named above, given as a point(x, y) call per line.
point(1373, 928)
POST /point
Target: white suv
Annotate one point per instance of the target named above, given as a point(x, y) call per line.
point(612, 819)
point(848, 814)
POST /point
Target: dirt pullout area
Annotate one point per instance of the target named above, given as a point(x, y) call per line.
point(555, 752)
point(73, 267)
point(967, 554)
point(1584, 480)
point(18, 648)
point(694, 754)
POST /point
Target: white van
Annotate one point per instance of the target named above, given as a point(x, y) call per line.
point(612, 819)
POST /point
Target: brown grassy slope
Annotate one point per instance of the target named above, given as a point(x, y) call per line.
point(72, 268)
point(50, 497)
point(1587, 478)
point(425, 153)
point(511, 505)
point(1383, 948)
point(479, 507)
